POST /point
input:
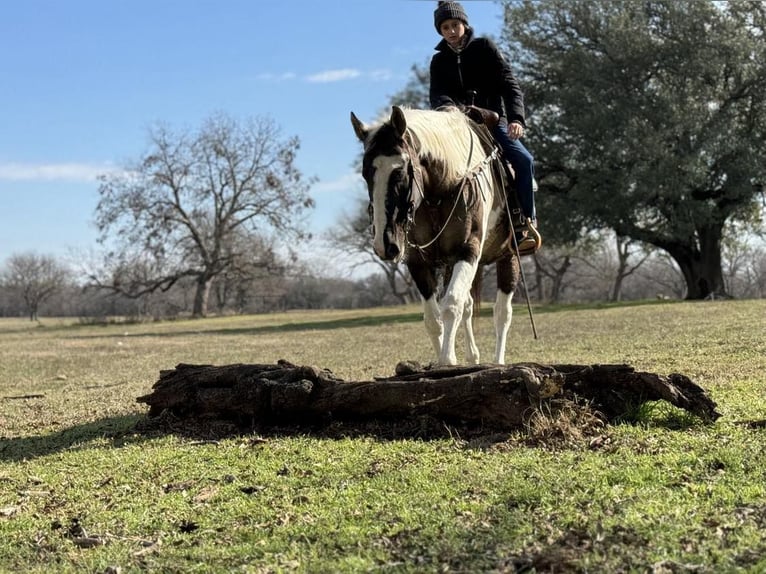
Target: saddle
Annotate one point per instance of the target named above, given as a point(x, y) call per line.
point(483, 116)
point(523, 235)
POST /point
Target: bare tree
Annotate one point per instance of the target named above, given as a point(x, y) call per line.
point(35, 278)
point(183, 209)
point(551, 267)
point(624, 267)
point(254, 261)
point(611, 260)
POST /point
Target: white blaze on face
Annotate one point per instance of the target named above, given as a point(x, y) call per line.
point(384, 165)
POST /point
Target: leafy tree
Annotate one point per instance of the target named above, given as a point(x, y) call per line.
point(35, 278)
point(648, 117)
point(414, 94)
point(197, 204)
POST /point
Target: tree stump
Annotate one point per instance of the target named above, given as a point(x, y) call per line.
point(495, 396)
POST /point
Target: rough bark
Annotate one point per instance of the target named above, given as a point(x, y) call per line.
point(495, 396)
point(202, 295)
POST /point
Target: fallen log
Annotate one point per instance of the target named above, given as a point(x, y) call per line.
point(496, 396)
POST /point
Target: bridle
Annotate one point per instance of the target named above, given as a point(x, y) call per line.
point(416, 194)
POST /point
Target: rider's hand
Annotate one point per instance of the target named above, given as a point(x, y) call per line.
point(515, 130)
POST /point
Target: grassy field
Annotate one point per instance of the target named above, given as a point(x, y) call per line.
point(84, 489)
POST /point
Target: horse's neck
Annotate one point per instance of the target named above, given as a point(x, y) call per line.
point(485, 137)
point(437, 182)
point(446, 168)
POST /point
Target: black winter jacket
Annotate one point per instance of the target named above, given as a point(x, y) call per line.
point(478, 67)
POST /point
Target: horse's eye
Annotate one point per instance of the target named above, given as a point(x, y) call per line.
point(398, 178)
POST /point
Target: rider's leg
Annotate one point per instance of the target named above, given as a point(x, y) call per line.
point(523, 165)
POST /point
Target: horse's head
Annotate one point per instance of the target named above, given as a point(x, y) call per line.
point(390, 168)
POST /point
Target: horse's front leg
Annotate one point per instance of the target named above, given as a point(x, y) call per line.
point(425, 280)
point(433, 323)
point(471, 348)
point(453, 308)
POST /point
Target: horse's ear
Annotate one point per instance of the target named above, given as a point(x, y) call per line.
point(359, 128)
point(398, 121)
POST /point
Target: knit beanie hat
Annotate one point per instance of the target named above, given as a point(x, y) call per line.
point(448, 10)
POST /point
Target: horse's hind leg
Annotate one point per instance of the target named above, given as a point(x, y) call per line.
point(502, 315)
point(507, 279)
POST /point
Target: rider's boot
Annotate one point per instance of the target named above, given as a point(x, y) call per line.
point(528, 238)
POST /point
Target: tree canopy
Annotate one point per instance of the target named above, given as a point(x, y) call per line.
point(201, 203)
point(648, 117)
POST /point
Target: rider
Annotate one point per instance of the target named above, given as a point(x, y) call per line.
point(466, 64)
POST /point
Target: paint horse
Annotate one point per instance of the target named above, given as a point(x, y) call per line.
point(438, 203)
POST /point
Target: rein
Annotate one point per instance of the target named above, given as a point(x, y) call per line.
point(418, 183)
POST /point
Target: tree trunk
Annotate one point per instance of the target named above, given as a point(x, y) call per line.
point(557, 276)
point(701, 267)
point(539, 278)
point(202, 295)
point(622, 265)
point(500, 397)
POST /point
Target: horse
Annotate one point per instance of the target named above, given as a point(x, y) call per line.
point(438, 204)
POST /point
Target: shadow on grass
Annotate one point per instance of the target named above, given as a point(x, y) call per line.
point(560, 431)
point(329, 325)
point(134, 429)
point(366, 320)
point(119, 430)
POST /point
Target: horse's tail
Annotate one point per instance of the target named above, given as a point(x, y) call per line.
point(476, 291)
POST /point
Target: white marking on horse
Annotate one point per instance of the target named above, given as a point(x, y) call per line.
point(384, 167)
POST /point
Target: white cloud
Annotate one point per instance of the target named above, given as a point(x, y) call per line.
point(351, 181)
point(52, 172)
point(329, 76)
point(284, 77)
point(381, 75)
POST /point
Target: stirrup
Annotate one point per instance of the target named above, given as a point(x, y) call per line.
point(531, 242)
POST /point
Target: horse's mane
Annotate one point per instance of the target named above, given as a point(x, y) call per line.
point(446, 136)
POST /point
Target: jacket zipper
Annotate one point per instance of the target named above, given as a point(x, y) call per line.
point(460, 74)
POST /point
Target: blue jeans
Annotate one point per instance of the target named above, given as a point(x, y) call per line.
point(523, 164)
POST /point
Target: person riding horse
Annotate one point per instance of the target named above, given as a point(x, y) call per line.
point(437, 204)
point(469, 71)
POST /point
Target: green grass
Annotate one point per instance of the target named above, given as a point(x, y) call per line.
point(663, 493)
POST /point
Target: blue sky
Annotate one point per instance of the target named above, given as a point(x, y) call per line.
point(81, 81)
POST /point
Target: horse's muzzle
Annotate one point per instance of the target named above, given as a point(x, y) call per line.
point(392, 251)
point(388, 249)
